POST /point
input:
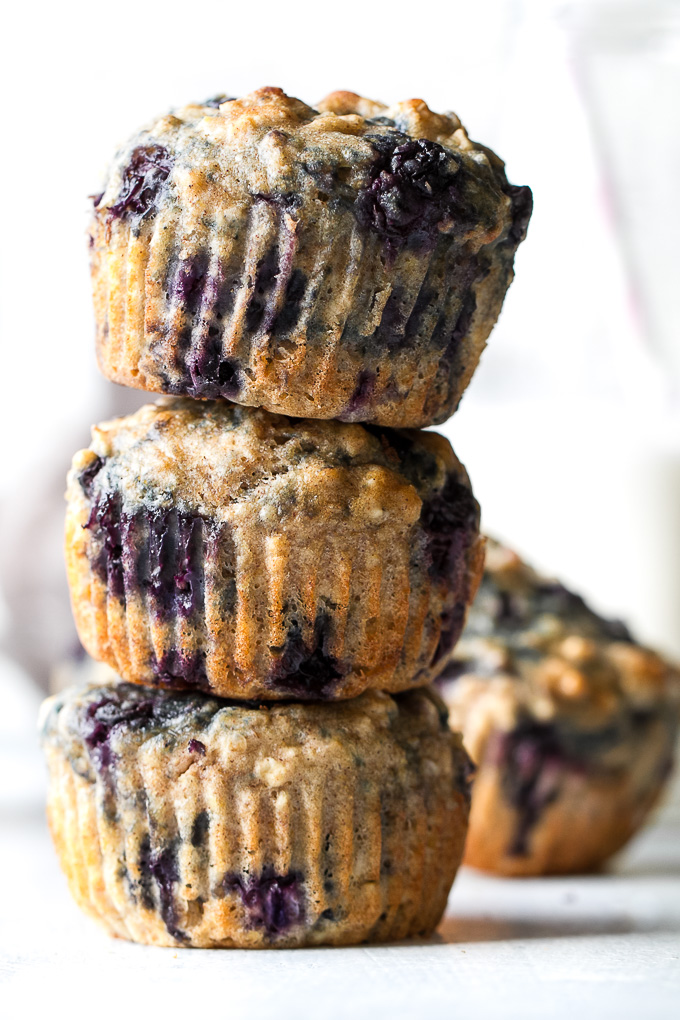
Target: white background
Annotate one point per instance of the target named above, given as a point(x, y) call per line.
point(570, 427)
point(569, 431)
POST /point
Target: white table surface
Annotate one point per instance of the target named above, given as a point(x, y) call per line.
point(604, 945)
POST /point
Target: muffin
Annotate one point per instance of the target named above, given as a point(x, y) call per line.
point(571, 725)
point(343, 262)
point(185, 820)
point(224, 548)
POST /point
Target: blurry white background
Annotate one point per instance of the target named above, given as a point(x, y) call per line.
point(571, 427)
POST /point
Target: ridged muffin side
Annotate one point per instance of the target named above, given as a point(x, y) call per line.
point(182, 820)
point(220, 547)
point(571, 724)
point(541, 808)
point(343, 262)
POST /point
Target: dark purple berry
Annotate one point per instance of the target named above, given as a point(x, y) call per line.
point(451, 629)
point(142, 180)
point(183, 669)
point(217, 101)
point(362, 394)
point(532, 759)
point(199, 830)
point(229, 378)
point(88, 474)
point(273, 902)
point(106, 714)
point(416, 189)
point(106, 525)
point(190, 281)
point(450, 518)
point(209, 374)
point(188, 579)
point(281, 201)
point(292, 302)
point(160, 551)
point(158, 868)
point(306, 671)
point(522, 202)
point(268, 270)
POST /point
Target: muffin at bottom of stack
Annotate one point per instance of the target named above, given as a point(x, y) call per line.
point(571, 725)
point(184, 820)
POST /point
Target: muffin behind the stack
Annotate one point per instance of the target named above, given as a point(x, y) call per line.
point(346, 262)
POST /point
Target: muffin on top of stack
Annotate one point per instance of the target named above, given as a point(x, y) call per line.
point(271, 558)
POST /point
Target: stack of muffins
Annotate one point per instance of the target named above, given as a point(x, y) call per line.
point(274, 561)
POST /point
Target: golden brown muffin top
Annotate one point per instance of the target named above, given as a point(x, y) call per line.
point(98, 726)
point(400, 167)
point(209, 457)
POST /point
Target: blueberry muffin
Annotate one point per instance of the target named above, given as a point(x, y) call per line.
point(185, 820)
point(221, 547)
point(343, 262)
point(570, 722)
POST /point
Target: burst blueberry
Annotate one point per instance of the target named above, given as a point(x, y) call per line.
point(158, 869)
point(449, 517)
point(307, 670)
point(416, 188)
point(142, 181)
point(273, 902)
point(533, 761)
